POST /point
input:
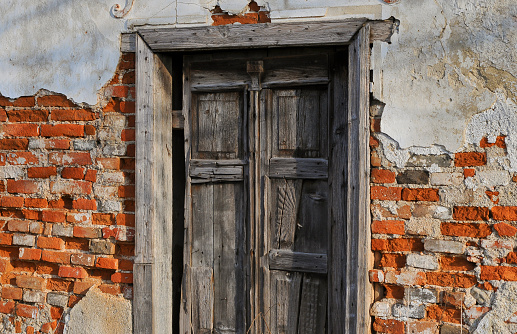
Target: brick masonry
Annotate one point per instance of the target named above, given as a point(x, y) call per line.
point(66, 202)
point(443, 238)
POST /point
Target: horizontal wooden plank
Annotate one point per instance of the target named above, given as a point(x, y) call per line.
point(297, 168)
point(287, 260)
point(217, 163)
point(128, 42)
point(252, 35)
point(177, 119)
point(383, 30)
point(203, 174)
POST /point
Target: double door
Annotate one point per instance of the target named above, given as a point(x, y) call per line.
point(258, 199)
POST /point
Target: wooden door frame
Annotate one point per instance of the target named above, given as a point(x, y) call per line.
point(348, 275)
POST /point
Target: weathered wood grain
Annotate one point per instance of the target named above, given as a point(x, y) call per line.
point(292, 168)
point(217, 174)
point(285, 301)
point(202, 299)
point(128, 42)
point(313, 305)
point(177, 119)
point(287, 260)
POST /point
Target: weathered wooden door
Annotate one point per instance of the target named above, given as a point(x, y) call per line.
point(258, 218)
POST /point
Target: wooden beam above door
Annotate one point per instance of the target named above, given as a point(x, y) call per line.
point(263, 35)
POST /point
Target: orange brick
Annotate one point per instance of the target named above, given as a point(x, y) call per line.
point(111, 289)
point(83, 259)
point(469, 159)
point(126, 265)
point(103, 218)
point(109, 163)
point(498, 273)
point(22, 187)
point(388, 227)
point(18, 226)
point(382, 176)
point(56, 312)
point(14, 144)
point(55, 101)
point(41, 172)
point(470, 213)
point(7, 307)
point(505, 230)
point(27, 311)
point(12, 202)
point(385, 193)
point(36, 203)
point(393, 260)
point(57, 144)
point(86, 232)
point(19, 130)
point(118, 91)
point(469, 172)
point(451, 280)
point(456, 263)
point(6, 239)
point(126, 191)
point(474, 230)
point(72, 272)
point(12, 293)
point(442, 313)
point(62, 130)
point(420, 194)
point(55, 257)
point(70, 158)
point(71, 187)
point(81, 287)
point(122, 278)
point(107, 263)
point(30, 282)
point(27, 115)
point(126, 219)
point(128, 135)
point(58, 284)
point(85, 204)
point(91, 175)
point(89, 130)
point(401, 245)
point(30, 254)
point(499, 142)
point(73, 115)
point(53, 216)
point(22, 158)
point(389, 326)
point(50, 243)
point(76, 173)
point(504, 213)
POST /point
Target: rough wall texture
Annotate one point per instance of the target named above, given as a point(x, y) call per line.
point(443, 237)
point(67, 203)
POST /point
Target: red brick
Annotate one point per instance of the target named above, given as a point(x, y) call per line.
point(11, 293)
point(82, 287)
point(469, 159)
point(499, 142)
point(126, 249)
point(30, 282)
point(118, 91)
point(50, 242)
point(397, 245)
point(89, 130)
point(128, 163)
point(6, 239)
point(78, 244)
point(62, 203)
point(53, 216)
point(91, 175)
point(14, 144)
point(129, 78)
point(504, 213)
point(109, 163)
point(24, 101)
point(122, 278)
point(22, 187)
point(62, 130)
point(36, 203)
point(58, 284)
point(18, 226)
point(498, 273)
point(126, 265)
point(55, 257)
point(127, 107)
point(126, 219)
point(71, 158)
point(126, 191)
point(469, 172)
point(56, 312)
point(41, 172)
point(72, 272)
point(73, 115)
point(27, 311)
point(393, 260)
point(511, 258)
point(420, 194)
point(505, 230)
point(130, 152)
point(456, 263)
point(474, 230)
point(107, 263)
point(76, 173)
point(382, 176)
point(85, 204)
point(103, 218)
point(5, 102)
point(12, 202)
point(22, 158)
point(111, 289)
point(57, 144)
point(451, 280)
point(71, 187)
point(463, 213)
point(6, 307)
point(27, 115)
point(128, 135)
point(86, 232)
point(385, 193)
point(443, 313)
point(83, 259)
point(3, 115)
point(78, 217)
point(388, 227)
point(30, 254)
point(55, 101)
point(2, 163)
point(389, 326)
point(19, 130)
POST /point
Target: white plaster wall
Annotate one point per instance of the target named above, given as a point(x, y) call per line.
point(448, 63)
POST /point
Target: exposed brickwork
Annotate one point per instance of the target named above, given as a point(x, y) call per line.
point(66, 226)
point(441, 236)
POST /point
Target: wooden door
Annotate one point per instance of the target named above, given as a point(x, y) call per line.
point(257, 199)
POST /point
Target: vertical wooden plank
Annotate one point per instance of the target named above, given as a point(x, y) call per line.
point(313, 305)
point(285, 301)
point(229, 271)
point(202, 224)
point(154, 190)
point(202, 299)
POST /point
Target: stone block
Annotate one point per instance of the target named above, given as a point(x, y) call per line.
point(24, 240)
point(57, 299)
point(422, 261)
point(413, 177)
point(444, 246)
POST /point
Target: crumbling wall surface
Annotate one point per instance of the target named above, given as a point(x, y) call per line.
point(444, 230)
point(67, 208)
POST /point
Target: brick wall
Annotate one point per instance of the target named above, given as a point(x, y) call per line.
point(67, 202)
point(443, 237)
